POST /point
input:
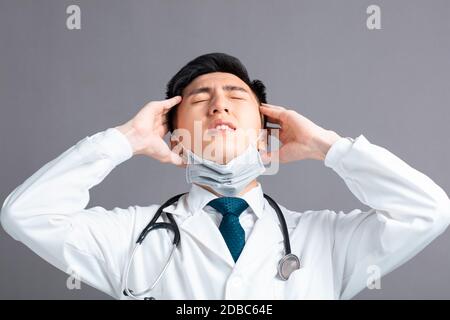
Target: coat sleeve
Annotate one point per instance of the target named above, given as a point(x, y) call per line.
point(47, 212)
point(407, 211)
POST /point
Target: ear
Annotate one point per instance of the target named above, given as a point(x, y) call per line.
point(263, 141)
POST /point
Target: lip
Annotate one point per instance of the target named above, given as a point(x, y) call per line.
point(219, 122)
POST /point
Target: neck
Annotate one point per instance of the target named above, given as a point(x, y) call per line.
point(249, 187)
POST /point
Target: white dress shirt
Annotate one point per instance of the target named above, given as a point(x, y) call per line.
point(48, 214)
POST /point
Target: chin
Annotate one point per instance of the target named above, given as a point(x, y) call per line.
point(229, 154)
point(223, 153)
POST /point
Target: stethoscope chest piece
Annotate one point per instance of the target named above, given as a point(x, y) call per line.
point(288, 264)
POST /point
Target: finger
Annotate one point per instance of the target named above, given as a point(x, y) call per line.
point(165, 111)
point(163, 106)
point(168, 156)
point(276, 156)
point(272, 106)
point(271, 120)
point(161, 121)
point(273, 114)
point(166, 108)
point(164, 129)
point(170, 103)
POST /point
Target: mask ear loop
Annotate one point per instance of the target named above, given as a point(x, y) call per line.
point(181, 152)
point(263, 133)
point(268, 127)
point(186, 154)
point(264, 139)
point(191, 157)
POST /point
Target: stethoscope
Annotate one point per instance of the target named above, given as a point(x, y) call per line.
point(287, 264)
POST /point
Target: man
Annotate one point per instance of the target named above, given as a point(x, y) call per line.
point(225, 255)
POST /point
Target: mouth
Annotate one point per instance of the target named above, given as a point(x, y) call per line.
point(222, 126)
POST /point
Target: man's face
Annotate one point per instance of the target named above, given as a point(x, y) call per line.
point(221, 115)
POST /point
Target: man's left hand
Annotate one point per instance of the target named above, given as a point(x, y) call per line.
point(300, 137)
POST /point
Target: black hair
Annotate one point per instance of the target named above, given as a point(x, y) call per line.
point(208, 63)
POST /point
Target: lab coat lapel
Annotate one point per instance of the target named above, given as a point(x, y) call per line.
point(202, 228)
point(265, 235)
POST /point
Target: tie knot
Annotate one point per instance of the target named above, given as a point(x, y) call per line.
point(229, 205)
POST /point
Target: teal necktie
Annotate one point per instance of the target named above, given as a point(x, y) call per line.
point(230, 227)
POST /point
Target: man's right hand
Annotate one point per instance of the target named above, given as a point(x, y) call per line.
point(146, 130)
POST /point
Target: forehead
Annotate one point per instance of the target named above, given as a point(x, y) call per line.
point(215, 79)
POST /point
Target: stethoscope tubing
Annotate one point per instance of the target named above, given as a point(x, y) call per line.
point(173, 226)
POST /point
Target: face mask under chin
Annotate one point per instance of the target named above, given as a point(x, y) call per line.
point(222, 151)
point(226, 179)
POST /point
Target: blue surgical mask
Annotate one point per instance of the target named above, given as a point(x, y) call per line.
point(226, 179)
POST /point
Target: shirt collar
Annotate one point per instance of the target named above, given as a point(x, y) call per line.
point(199, 197)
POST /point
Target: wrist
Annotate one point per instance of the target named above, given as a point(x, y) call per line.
point(324, 142)
point(131, 134)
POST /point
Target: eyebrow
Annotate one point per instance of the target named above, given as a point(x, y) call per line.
point(208, 89)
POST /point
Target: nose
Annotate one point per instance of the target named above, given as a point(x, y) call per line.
point(218, 105)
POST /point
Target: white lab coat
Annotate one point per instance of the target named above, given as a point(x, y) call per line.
point(338, 250)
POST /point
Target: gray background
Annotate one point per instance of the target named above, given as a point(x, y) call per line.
point(58, 86)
